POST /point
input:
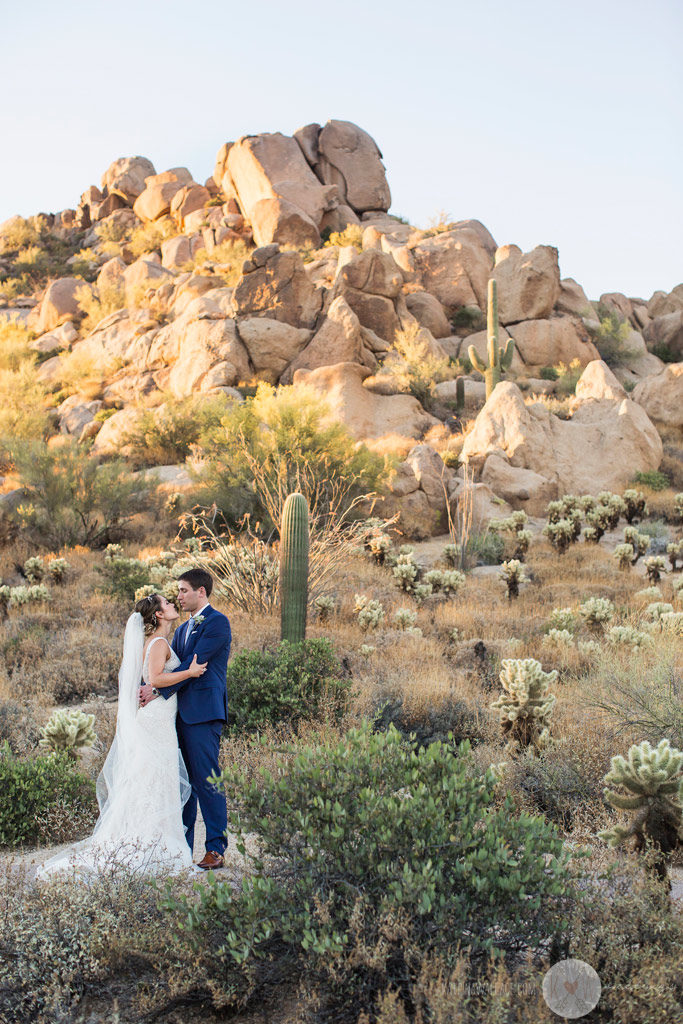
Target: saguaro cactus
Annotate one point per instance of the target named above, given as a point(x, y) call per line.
point(294, 568)
point(498, 362)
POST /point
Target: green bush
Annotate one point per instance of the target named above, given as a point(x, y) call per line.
point(14, 345)
point(293, 682)
point(611, 336)
point(33, 254)
point(73, 498)
point(121, 577)
point(165, 436)
point(485, 548)
point(278, 442)
point(653, 479)
point(381, 850)
point(29, 788)
point(548, 373)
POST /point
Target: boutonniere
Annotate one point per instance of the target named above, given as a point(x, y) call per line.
point(198, 619)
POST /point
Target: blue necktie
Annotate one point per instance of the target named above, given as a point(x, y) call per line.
point(190, 623)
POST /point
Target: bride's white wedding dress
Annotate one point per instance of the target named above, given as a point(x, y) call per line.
point(143, 785)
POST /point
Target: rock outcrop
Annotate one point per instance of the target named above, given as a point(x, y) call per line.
point(661, 396)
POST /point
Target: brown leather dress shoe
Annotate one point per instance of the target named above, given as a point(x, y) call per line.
point(211, 861)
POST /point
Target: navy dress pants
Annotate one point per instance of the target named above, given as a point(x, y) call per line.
point(199, 745)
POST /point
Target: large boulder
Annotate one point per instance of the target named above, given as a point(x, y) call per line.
point(210, 355)
point(339, 339)
point(111, 439)
point(366, 415)
point(454, 266)
point(371, 284)
point(55, 341)
point(59, 303)
point(521, 488)
point(75, 413)
point(188, 199)
point(549, 342)
point(600, 447)
point(573, 300)
point(125, 177)
point(429, 313)
point(271, 345)
point(528, 283)
point(276, 186)
point(111, 275)
point(274, 284)
point(145, 273)
point(662, 395)
point(665, 333)
point(346, 156)
point(178, 252)
point(155, 201)
point(662, 303)
point(598, 382)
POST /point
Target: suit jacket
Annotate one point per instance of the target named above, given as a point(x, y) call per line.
point(205, 698)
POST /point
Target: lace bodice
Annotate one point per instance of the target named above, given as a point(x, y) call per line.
point(171, 664)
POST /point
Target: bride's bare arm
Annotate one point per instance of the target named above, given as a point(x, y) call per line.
point(158, 657)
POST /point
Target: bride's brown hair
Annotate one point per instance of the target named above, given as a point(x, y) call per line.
point(148, 608)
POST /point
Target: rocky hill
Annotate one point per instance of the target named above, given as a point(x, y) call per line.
point(285, 266)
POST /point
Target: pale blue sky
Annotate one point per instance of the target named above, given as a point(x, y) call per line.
point(552, 123)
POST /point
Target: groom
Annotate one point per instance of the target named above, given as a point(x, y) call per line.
point(202, 708)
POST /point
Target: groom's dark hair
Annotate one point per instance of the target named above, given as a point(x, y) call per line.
point(198, 578)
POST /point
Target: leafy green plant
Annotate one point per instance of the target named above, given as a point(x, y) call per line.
point(29, 787)
point(370, 858)
point(166, 435)
point(652, 478)
point(351, 235)
point(413, 365)
point(611, 335)
point(294, 681)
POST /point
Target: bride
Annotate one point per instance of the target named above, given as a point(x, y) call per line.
point(144, 784)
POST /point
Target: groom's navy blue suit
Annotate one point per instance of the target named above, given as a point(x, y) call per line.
point(202, 710)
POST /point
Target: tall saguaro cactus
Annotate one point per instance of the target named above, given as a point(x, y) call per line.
point(294, 568)
point(498, 362)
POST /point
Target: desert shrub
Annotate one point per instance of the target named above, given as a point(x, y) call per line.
point(33, 254)
point(121, 576)
point(278, 442)
point(485, 548)
point(98, 303)
point(295, 681)
point(568, 377)
point(166, 435)
point(60, 943)
point(653, 479)
point(73, 497)
point(351, 235)
point(148, 237)
point(29, 787)
point(558, 783)
point(23, 415)
point(372, 866)
point(14, 342)
point(17, 726)
point(611, 337)
point(416, 370)
point(225, 260)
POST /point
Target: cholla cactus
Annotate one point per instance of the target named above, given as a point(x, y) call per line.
point(512, 574)
point(635, 505)
point(57, 569)
point(616, 505)
point(379, 545)
point(526, 706)
point(367, 649)
point(421, 592)
point(672, 622)
point(678, 588)
point(599, 520)
point(454, 634)
point(5, 597)
point(34, 569)
point(649, 594)
point(655, 610)
point(628, 636)
point(522, 541)
point(324, 605)
point(404, 618)
point(562, 618)
point(28, 595)
point(405, 573)
point(588, 648)
point(145, 591)
point(558, 638)
point(515, 524)
point(450, 555)
point(70, 730)
point(596, 612)
point(655, 566)
point(640, 542)
point(650, 781)
point(448, 582)
point(675, 553)
point(678, 506)
point(370, 612)
point(587, 503)
point(560, 534)
point(113, 551)
point(624, 554)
